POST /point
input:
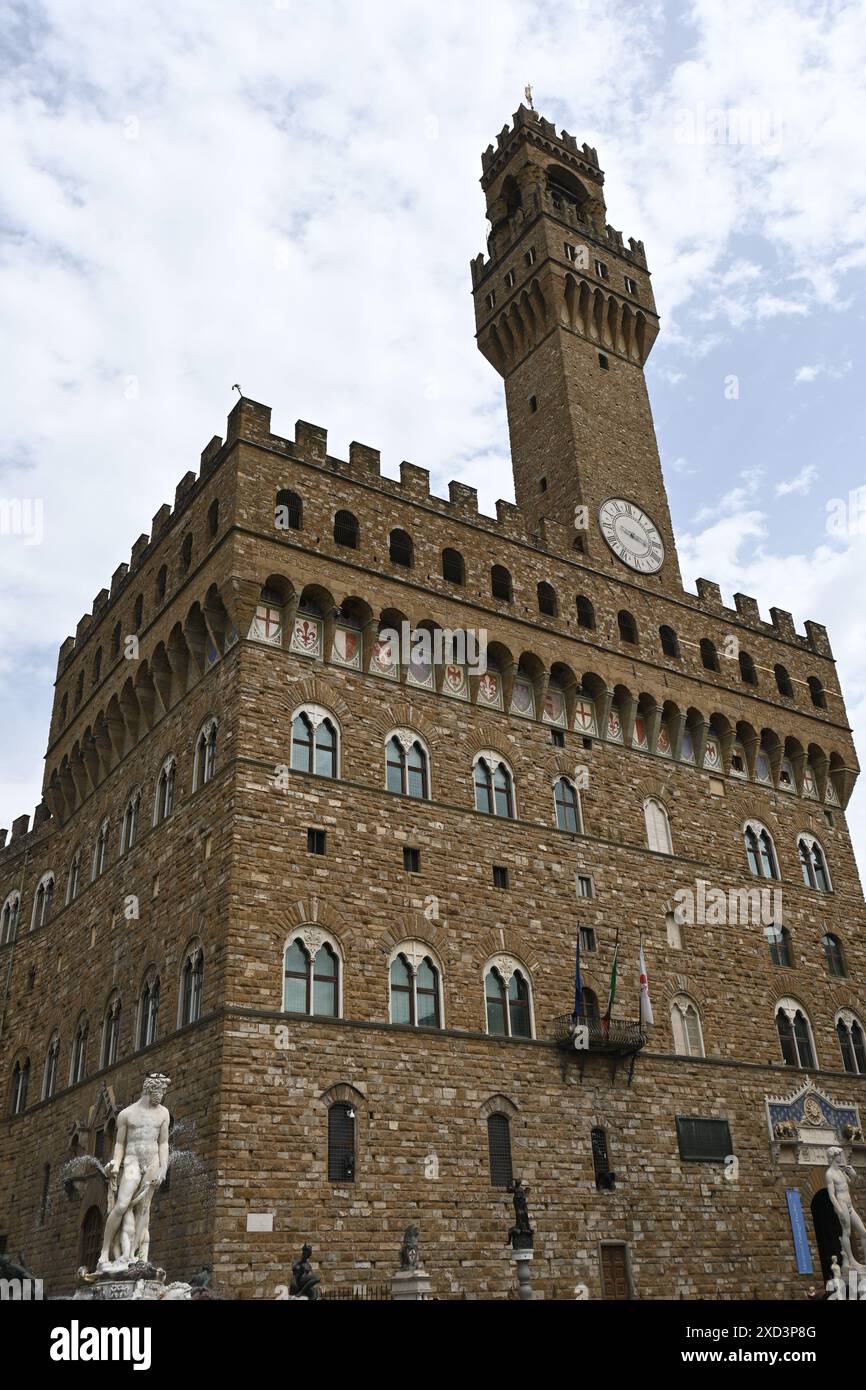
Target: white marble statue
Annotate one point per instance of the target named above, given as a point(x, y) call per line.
point(836, 1179)
point(136, 1169)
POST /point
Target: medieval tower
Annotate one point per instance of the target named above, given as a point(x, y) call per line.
point(332, 883)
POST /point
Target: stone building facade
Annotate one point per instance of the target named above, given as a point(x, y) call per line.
point(331, 884)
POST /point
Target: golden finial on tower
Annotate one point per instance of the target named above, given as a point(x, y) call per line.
point(527, 92)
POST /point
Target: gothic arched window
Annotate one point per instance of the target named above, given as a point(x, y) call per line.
point(20, 1084)
point(658, 826)
point(100, 853)
point(9, 918)
point(191, 986)
point(499, 1149)
point(779, 939)
point(341, 1142)
point(760, 851)
point(834, 955)
point(43, 900)
point(415, 987)
point(49, 1070)
point(111, 1032)
point(494, 786)
point(314, 741)
point(311, 975)
point(852, 1042)
point(813, 865)
point(567, 801)
point(164, 799)
point(148, 1010)
point(507, 999)
point(78, 1061)
point(73, 878)
point(129, 825)
point(205, 754)
point(795, 1034)
point(406, 765)
point(686, 1026)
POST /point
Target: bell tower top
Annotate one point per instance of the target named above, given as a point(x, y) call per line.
point(564, 311)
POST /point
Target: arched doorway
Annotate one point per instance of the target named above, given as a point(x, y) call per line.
point(828, 1232)
point(91, 1238)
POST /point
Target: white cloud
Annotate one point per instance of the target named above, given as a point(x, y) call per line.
point(810, 373)
point(801, 483)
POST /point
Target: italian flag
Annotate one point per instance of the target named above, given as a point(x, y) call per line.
point(646, 1008)
point(605, 1022)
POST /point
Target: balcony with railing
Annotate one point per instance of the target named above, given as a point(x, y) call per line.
point(583, 1035)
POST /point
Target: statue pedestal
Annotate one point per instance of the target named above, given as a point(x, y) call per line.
point(113, 1287)
point(410, 1286)
point(522, 1259)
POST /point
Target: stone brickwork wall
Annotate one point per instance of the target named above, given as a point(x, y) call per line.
point(230, 869)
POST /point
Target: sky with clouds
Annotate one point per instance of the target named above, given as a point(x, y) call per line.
point(286, 196)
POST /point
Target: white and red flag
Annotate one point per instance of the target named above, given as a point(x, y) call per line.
point(646, 1008)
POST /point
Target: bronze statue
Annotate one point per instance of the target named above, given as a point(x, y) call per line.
point(521, 1236)
point(304, 1281)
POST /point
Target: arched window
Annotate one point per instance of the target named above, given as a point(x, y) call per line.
point(834, 955)
point(289, 511)
point(341, 1142)
point(658, 827)
point(73, 878)
point(406, 765)
point(779, 940)
point(110, 1032)
point(852, 1042)
point(78, 1060)
point(161, 582)
point(494, 786)
point(686, 1026)
point(567, 800)
point(813, 865)
point(43, 900)
point(400, 548)
point(747, 669)
point(164, 800)
point(816, 690)
point(760, 850)
point(500, 583)
point(138, 613)
point(97, 666)
point(346, 530)
point(9, 918)
point(191, 985)
point(314, 741)
point(49, 1070)
point(20, 1084)
point(506, 993)
point(499, 1149)
point(186, 553)
point(205, 754)
point(148, 1010)
point(64, 707)
point(795, 1034)
point(100, 852)
point(213, 517)
point(585, 613)
point(783, 682)
point(79, 689)
point(627, 626)
point(668, 638)
point(129, 825)
point(709, 655)
point(453, 568)
point(311, 975)
point(415, 987)
point(547, 599)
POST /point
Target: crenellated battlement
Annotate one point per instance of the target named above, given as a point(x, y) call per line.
point(250, 422)
point(526, 119)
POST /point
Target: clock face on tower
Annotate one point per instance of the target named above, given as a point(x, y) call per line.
point(631, 535)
